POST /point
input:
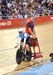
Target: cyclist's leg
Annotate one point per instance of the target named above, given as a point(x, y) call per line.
point(27, 44)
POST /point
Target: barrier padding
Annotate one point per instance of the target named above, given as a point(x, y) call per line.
point(15, 23)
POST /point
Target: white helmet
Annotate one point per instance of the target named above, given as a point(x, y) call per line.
point(20, 30)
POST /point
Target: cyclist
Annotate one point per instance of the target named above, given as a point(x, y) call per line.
point(24, 37)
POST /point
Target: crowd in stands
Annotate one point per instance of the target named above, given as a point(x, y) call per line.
point(13, 9)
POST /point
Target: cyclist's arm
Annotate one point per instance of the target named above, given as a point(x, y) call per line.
point(17, 41)
point(24, 41)
point(25, 37)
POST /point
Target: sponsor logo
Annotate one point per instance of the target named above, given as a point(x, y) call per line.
point(6, 23)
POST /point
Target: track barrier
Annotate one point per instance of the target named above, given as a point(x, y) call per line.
point(15, 23)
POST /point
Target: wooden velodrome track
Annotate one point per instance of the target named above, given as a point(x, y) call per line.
point(44, 33)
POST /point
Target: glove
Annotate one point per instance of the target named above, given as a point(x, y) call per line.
point(15, 47)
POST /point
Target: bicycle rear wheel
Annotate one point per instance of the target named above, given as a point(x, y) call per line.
point(29, 55)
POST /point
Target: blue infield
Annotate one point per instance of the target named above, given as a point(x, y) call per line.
point(46, 69)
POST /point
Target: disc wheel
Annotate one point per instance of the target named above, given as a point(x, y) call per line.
point(29, 55)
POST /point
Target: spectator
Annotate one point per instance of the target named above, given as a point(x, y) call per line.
point(34, 7)
point(20, 15)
